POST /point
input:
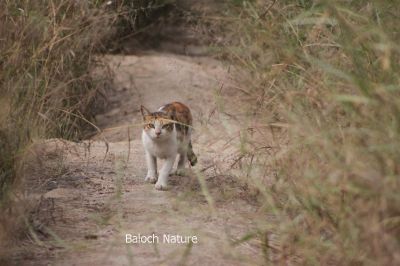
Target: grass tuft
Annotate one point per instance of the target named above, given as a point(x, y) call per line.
point(47, 54)
point(328, 71)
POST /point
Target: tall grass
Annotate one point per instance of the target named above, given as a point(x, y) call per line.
point(47, 53)
point(326, 76)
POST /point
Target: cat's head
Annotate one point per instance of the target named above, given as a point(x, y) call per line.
point(157, 125)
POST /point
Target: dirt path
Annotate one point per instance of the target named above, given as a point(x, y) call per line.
point(94, 195)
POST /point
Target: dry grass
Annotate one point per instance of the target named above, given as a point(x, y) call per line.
point(324, 77)
point(47, 51)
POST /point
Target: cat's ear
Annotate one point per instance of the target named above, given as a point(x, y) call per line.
point(144, 111)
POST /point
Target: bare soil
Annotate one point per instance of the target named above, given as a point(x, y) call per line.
point(92, 193)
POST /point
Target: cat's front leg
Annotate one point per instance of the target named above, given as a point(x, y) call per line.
point(164, 173)
point(151, 168)
point(181, 164)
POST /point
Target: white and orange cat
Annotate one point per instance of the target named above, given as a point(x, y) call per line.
point(164, 139)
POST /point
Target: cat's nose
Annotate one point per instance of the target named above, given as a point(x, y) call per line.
point(158, 133)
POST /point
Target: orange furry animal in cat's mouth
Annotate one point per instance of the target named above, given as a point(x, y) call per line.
point(167, 133)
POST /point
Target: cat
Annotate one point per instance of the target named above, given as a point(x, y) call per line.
point(164, 139)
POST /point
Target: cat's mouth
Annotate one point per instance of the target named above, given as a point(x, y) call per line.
point(157, 137)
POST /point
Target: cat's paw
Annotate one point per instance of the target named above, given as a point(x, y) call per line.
point(181, 172)
point(161, 186)
point(151, 179)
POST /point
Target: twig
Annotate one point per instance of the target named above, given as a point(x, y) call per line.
point(129, 146)
point(262, 16)
point(207, 167)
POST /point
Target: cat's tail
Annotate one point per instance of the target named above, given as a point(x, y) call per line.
point(191, 156)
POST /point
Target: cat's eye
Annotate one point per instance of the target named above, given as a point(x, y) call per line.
point(166, 126)
point(151, 125)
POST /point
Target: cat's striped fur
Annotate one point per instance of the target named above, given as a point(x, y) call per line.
point(163, 138)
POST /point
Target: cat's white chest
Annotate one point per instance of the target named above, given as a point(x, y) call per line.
point(162, 149)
